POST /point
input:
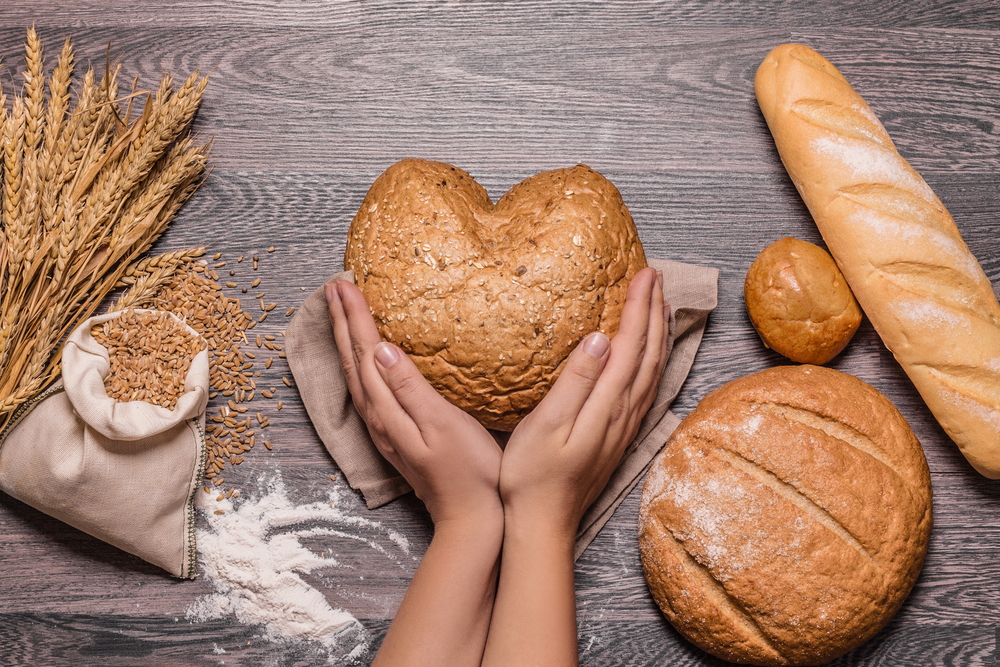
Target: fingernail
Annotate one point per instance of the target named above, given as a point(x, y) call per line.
point(329, 290)
point(387, 354)
point(659, 278)
point(596, 344)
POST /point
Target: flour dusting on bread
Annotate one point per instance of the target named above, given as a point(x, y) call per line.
point(791, 510)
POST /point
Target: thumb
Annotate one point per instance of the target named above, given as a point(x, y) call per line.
point(577, 379)
point(413, 393)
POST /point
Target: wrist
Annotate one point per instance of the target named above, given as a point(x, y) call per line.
point(541, 524)
point(534, 619)
point(465, 507)
point(479, 524)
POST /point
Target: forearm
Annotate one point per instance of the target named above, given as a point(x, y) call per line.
point(534, 618)
point(445, 615)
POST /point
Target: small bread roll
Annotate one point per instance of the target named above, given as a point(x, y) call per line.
point(800, 303)
point(787, 518)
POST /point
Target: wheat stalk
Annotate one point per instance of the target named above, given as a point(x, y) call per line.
point(172, 119)
point(57, 136)
point(13, 140)
point(34, 90)
point(86, 192)
point(146, 277)
point(34, 118)
point(145, 288)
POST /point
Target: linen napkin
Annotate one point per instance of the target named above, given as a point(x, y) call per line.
point(691, 291)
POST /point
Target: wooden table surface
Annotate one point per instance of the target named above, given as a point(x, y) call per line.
point(310, 101)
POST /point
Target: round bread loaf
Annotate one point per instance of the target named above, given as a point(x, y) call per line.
point(799, 302)
point(787, 518)
point(489, 300)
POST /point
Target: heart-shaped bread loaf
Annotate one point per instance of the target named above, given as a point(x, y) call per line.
point(489, 300)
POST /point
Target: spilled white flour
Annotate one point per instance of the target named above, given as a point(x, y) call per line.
point(253, 556)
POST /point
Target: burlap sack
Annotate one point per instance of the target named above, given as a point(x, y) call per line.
point(312, 355)
point(125, 473)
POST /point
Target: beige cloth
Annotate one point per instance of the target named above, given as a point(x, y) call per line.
point(312, 355)
point(125, 473)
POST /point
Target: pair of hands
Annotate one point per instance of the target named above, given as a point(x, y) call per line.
point(521, 505)
point(557, 460)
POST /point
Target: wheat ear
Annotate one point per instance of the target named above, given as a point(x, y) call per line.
point(57, 136)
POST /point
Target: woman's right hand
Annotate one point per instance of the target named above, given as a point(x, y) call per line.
point(556, 463)
point(560, 457)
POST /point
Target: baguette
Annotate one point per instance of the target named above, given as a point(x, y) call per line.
point(898, 247)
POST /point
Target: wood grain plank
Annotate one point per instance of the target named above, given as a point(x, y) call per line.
point(69, 640)
point(309, 102)
point(649, 99)
point(169, 14)
point(636, 643)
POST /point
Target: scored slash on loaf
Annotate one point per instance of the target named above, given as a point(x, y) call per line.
point(898, 247)
point(787, 518)
point(489, 300)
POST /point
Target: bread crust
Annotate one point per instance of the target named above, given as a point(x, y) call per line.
point(904, 258)
point(799, 302)
point(787, 518)
point(489, 300)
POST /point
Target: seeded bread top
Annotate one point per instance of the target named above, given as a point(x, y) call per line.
point(489, 300)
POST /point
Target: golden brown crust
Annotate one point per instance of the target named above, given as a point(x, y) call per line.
point(895, 242)
point(799, 302)
point(489, 300)
point(787, 518)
